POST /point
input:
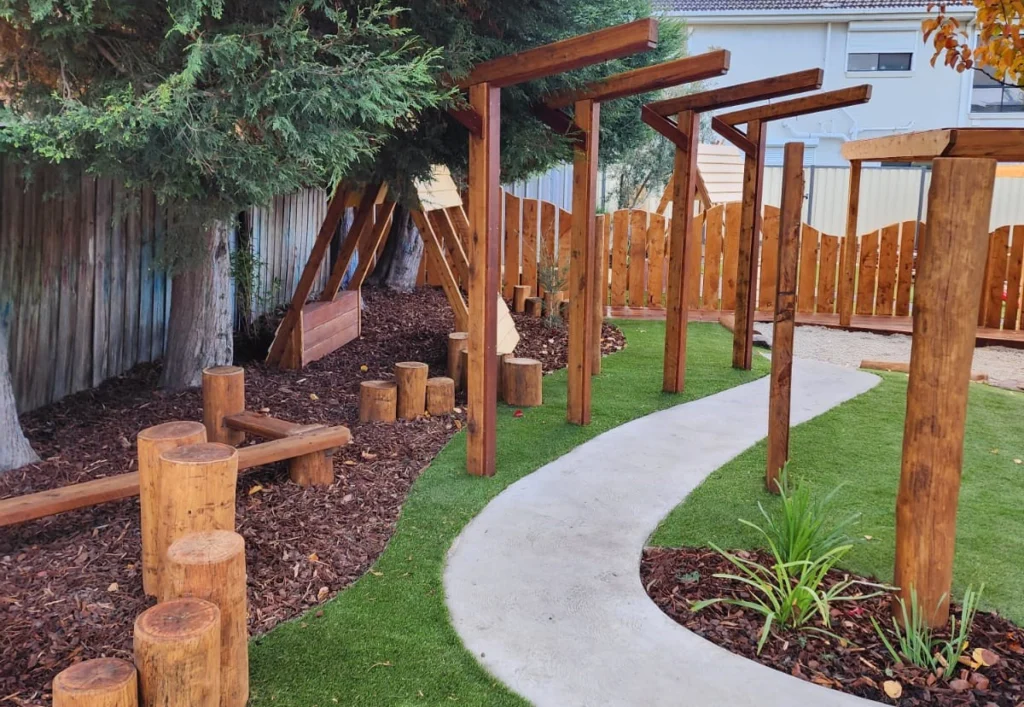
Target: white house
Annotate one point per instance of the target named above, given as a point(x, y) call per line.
point(854, 41)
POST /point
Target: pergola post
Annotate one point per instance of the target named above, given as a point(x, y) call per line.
point(582, 264)
point(684, 186)
point(848, 261)
point(484, 265)
point(749, 246)
point(781, 388)
point(947, 296)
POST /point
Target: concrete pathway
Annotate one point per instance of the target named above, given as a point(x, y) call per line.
point(544, 587)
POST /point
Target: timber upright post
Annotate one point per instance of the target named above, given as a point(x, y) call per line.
point(582, 264)
point(946, 302)
point(848, 261)
point(790, 218)
point(749, 247)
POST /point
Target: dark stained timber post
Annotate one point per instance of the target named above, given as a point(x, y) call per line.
point(947, 295)
point(848, 259)
point(750, 241)
point(781, 388)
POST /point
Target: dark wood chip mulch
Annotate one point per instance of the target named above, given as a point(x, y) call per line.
point(70, 585)
point(858, 664)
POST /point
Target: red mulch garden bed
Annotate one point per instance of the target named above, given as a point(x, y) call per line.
point(859, 664)
point(70, 585)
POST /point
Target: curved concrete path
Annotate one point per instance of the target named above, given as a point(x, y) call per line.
point(543, 586)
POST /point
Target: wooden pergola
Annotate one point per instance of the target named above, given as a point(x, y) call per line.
point(678, 119)
point(482, 118)
point(952, 252)
point(585, 310)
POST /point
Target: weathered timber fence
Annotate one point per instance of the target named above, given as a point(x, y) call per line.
point(82, 278)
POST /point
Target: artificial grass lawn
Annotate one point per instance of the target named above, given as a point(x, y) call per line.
point(859, 445)
point(387, 640)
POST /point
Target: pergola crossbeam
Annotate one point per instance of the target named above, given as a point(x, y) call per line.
point(734, 135)
point(729, 96)
point(816, 103)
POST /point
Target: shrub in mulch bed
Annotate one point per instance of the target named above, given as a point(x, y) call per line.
point(70, 585)
point(857, 662)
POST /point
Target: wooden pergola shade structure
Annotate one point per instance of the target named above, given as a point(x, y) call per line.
point(683, 132)
point(947, 296)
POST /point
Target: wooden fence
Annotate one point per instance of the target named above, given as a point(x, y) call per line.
point(81, 275)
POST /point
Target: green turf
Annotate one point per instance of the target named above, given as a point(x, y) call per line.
point(858, 444)
point(387, 640)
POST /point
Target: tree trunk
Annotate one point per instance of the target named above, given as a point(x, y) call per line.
point(199, 331)
point(15, 451)
point(400, 260)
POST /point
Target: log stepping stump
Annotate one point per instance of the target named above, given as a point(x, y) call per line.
point(458, 342)
point(211, 565)
point(151, 443)
point(440, 396)
point(378, 401)
point(223, 395)
point(523, 382)
point(520, 293)
point(195, 491)
point(177, 652)
point(101, 682)
point(535, 307)
point(411, 378)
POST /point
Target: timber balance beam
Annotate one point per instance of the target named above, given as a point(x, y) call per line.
point(114, 488)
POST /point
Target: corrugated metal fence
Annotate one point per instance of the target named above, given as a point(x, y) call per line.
point(88, 296)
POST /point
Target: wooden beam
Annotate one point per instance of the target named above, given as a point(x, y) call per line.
point(371, 197)
point(947, 290)
point(676, 319)
point(729, 96)
point(647, 79)
point(735, 136)
point(750, 241)
point(484, 266)
point(566, 55)
point(266, 426)
point(848, 259)
point(381, 228)
point(582, 264)
point(1002, 144)
point(469, 119)
point(666, 128)
point(828, 100)
point(781, 385)
point(335, 210)
point(559, 121)
point(439, 264)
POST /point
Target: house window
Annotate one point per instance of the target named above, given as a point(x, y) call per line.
point(871, 51)
point(991, 96)
point(879, 61)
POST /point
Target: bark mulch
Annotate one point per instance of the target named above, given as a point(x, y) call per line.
point(857, 662)
point(70, 585)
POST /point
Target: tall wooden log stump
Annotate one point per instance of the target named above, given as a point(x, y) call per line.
point(947, 296)
point(223, 395)
point(523, 382)
point(440, 395)
point(101, 682)
point(195, 491)
point(177, 652)
point(378, 401)
point(411, 377)
point(151, 443)
point(520, 293)
point(210, 565)
point(313, 469)
point(458, 342)
point(535, 307)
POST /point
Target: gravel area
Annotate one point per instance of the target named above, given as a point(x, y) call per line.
point(849, 348)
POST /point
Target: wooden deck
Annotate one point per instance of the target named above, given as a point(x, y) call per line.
point(860, 322)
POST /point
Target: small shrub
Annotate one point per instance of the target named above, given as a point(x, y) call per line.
point(550, 277)
point(915, 643)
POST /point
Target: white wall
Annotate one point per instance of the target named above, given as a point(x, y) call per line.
point(921, 99)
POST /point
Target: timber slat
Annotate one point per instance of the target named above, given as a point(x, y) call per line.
point(828, 260)
point(888, 263)
point(769, 259)
point(637, 257)
point(867, 274)
point(807, 283)
point(656, 261)
point(531, 211)
point(714, 219)
point(905, 279)
point(1014, 277)
point(991, 313)
point(730, 254)
point(620, 245)
point(510, 262)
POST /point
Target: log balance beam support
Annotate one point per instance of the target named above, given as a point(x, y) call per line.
point(781, 387)
point(946, 303)
point(100, 682)
point(177, 653)
point(484, 84)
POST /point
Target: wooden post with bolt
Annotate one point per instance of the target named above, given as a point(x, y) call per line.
point(411, 377)
point(458, 341)
point(177, 653)
point(947, 296)
point(223, 395)
point(378, 401)
point(781, 386)
point(100, 682)
point(151, 443)
point(520, 293)
point(440, 395)
point(523, 382)
point(210, 565)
